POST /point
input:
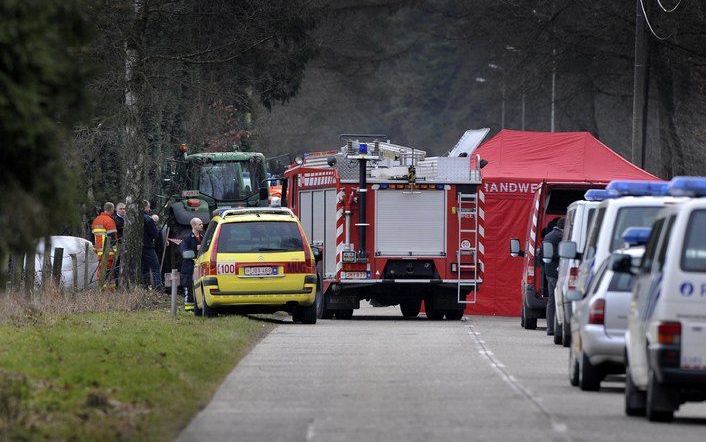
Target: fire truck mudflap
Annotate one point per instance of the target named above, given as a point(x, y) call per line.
point(406, 227)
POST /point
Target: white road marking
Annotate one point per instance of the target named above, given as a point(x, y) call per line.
point(516, 385)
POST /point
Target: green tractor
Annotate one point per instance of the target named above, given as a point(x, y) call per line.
point(197, 184)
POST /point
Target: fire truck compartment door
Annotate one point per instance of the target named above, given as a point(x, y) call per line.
point(318, 218)
point(410, 223)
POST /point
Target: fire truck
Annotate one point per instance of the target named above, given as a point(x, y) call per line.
point(396, 227)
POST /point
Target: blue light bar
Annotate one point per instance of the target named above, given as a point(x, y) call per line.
point(638, 188)
point(363, 148)
point(599, 195)
point(636, 236)
point(693, 186)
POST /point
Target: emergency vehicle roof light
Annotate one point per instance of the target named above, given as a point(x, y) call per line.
point(599, 195)
point(636, 236)
point(638, 188)
point(694, 186)
point(363, 148)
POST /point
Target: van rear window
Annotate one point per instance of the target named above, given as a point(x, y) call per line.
point(260, 236)
point(693, 257)
point(631, 217)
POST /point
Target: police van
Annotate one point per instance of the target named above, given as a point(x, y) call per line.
point(625, 204)
point(666, 337)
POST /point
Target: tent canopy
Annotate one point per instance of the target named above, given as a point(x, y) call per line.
point(518, 162)
point(554, 156)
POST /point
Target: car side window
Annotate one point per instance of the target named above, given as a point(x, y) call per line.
point(651, 248)
point(598, 278)
point(661, 256)
point(593, 235)
point(207, 237)
point(569, 225)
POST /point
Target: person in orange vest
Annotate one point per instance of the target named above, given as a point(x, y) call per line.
point(104, 227)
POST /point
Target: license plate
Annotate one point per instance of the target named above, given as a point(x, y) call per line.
point(261, 271)
point(354, 275)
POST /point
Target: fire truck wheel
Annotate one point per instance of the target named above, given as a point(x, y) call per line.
point(454, 315)
point(344, 314)
point(410, 309)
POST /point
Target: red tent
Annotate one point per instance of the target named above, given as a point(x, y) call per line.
point(518, 162)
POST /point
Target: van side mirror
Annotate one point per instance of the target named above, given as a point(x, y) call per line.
point(621, 263)
point(188, 254)
point(515, 248)
point(316, 250)
point(567, 250)
point(547, 252)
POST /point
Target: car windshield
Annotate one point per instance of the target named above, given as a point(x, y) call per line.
point(693, 257)
point(231, 181)
point(260, 236)
point(631, 217)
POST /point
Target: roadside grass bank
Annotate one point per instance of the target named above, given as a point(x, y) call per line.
point(124, 373)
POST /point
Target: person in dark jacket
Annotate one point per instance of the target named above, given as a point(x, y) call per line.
point(191, 242)
point(150, 241)
point(551, 272)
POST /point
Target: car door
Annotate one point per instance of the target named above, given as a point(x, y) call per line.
point(638, 306)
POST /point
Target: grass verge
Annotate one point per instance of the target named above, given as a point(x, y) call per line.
point(114, 375)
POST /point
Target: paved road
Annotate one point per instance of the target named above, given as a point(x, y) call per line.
point(380, 378)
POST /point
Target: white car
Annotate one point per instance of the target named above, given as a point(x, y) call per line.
point(633, 204)
point(666, 337)
point(578, 219)
point(600, 318)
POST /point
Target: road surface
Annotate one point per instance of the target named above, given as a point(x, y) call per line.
point(380, 378)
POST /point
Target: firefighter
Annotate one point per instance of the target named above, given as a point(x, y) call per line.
point(151, 242)
point(551, 272)
point(105, 221)
point(103, 227)
point(191, 242)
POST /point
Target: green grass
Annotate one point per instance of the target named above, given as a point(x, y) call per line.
point(116, 375)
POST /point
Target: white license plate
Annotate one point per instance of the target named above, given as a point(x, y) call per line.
point(354, 275)
point(693, 348)
point(261, 271)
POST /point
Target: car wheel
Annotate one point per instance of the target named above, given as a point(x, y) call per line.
point(522, 317)
point(566, 328)
point(411, 308)
point(307, 314)
point(573, 368)
point(558, 331)
point(454, 315)
point(208, 312)
point(344, 314)
point(634, 398)
point(197, 310)
point(530, 323)
point(657, 395)
point(589, 374)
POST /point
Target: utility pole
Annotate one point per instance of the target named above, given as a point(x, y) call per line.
point(640, 89)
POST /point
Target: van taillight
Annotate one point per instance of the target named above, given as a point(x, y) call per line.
point(669, 333)
point(213, 258)
point(596, 313)
point(573, 277)
point(530, 275)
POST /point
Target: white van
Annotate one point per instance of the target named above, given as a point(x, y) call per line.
point(578, 219)
point(633, 204)
point(666, 337)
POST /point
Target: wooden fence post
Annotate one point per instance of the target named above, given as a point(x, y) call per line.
point(30, 272)
point(46, 264)
point(85, 266)
point(57, 266)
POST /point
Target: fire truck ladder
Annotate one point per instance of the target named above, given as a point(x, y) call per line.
point(467, 213)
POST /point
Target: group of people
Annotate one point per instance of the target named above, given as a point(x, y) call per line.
point(111, 222)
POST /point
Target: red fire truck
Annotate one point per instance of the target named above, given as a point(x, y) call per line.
point(396, 227)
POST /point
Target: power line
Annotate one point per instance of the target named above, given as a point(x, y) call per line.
point(649, 25)
point(659, 2)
